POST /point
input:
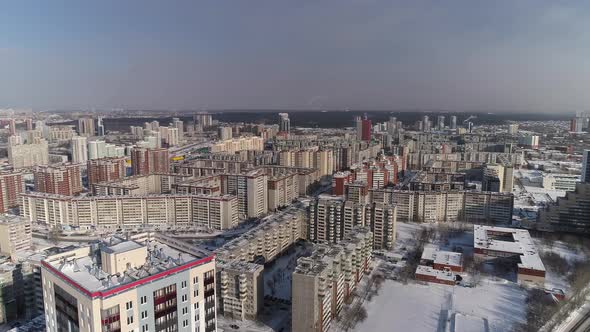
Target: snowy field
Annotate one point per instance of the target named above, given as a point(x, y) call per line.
point(416, 307)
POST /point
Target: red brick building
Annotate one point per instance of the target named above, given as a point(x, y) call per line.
point(65, 179)
point(11, 186)
point(106, 169)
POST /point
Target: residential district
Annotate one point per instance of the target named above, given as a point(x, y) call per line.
point(120, 221)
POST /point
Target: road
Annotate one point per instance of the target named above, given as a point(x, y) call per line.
point(581, 324)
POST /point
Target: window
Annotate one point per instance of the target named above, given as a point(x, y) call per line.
point(184, 311)
point(184, 323)
point(144, 314)
point(196, 291)
point(129, 305)
point(129, 320)
point(144, 328)
point(184, 298)
point(143, 300)
point(183, 284)
point(195, 280)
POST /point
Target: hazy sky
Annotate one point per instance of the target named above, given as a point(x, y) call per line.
point(357, 54)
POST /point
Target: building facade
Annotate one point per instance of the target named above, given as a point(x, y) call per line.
point(215, 212)
point(106, 169)
point(138, 284)
point(12, 185)
point(63, 179)
point(331, 219)
point(146, 161)
point(322, 282)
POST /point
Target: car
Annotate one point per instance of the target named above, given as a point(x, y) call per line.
point(234, 326)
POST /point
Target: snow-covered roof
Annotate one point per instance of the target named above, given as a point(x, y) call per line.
point(439, 274)
point(437, 256)
point(521, 244)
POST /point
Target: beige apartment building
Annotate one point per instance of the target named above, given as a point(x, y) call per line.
point(325, 280)
point(447, 206)
point(282, 190)
point(331, 219)
point(252, 191)
point(238, 144)
point(27, 155)
point(241, 287)
point(240, 262)
point(268, 240)
point(15, 235)
point(134, 284)
point(156, 183)
point(215, 212)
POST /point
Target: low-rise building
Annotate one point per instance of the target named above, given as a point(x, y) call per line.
point(511, 244)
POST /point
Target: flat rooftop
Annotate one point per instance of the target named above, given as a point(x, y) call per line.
point(438, 274)
point(433, 253)
point(8, 219)
point(520, 244)
point(82, 267)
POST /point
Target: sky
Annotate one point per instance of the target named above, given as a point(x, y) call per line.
point(517, 55)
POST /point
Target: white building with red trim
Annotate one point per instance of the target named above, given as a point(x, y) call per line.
point(144, 283)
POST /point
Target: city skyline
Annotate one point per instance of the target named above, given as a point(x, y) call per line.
point(500, 56)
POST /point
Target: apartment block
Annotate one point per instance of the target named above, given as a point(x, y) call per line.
point(428, 181)
point(106, 169)
point(570, 213)
point(15, 235)
point(447, 206)
point(215, 212)
point(79, 147)
point(153, 183)
point(498, 177)
point(17, 289)
point(65, 179)
point(332, 218)
point(268, 240)
point(283, 189)
point(238, 144)
point(27, 155)
point(240, 262)
point(11, 186)
point(241, 289)
point(146, 161)
point(130, 284)
point(339, 180)
point(324, 281)
point(86, 127)
point(252, 191)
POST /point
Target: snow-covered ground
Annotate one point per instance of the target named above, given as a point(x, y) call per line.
point(417, 307)
point(571, 253)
